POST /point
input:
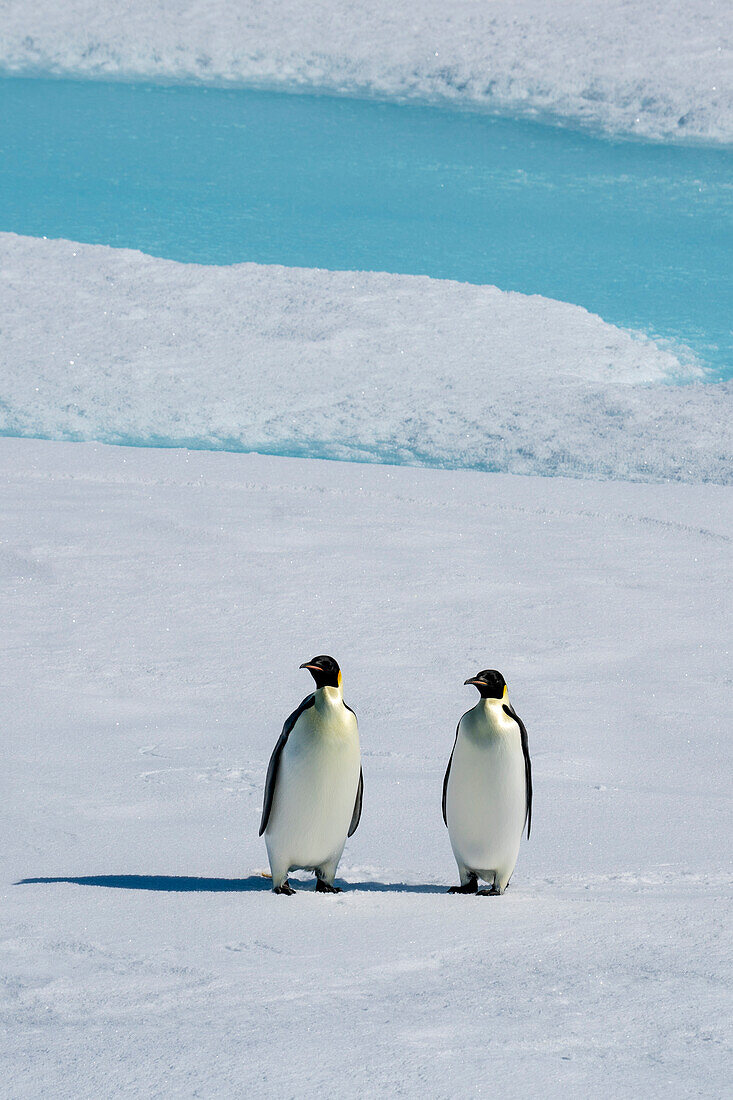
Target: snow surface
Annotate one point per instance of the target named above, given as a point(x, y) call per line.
point(106, 344)
point(156, 605)
point(659, 69)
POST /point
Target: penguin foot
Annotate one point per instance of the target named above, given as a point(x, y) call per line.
point(471, 887)
point(324, 888)
point(285, 888)
point(492, 893)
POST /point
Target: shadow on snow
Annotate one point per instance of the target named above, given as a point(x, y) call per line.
point(187, 884)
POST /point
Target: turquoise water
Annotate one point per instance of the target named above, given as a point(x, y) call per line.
point(640, 233)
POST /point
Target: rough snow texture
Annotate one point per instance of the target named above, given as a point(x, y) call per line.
point(659, 69)
point(106, 344)
point(156, 606)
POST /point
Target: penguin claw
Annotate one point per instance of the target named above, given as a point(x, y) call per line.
point(492, 893)
point(286, 888)
point(470, 888)
point(324, 888)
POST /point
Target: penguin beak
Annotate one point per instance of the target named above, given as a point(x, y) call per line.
point(473, 680)
point(313, 668)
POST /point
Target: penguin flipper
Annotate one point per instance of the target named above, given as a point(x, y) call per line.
point(527, 762)
point(356, 816)
point(274, 764)
point(447, 773)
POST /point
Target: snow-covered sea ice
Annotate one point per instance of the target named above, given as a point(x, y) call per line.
point(571, 525)
point(358, 365)
point(157, 604)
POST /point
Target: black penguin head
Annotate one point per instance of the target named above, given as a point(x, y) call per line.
point(490, 683)
point(324, 670)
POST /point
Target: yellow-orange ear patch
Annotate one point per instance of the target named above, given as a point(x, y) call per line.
point(504, 689)
point(339, 678)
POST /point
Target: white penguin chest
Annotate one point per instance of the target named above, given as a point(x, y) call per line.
point(486, 797)
point(317, 782)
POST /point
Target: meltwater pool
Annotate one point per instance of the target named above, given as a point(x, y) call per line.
point(639, 233)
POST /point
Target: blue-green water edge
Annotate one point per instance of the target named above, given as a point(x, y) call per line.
point(639, 233)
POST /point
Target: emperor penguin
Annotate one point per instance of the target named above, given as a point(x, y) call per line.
point(487, 790)
point(314, 784)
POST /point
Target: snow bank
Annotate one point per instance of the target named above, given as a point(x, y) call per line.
point(105, 344)
point(156, 606)
point(658, 69)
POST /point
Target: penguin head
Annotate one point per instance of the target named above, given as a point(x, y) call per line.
point(324, 670)
point(490, 683)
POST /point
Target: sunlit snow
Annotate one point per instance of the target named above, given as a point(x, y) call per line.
point(111, 345)
point(156, 607)
point(657, 69)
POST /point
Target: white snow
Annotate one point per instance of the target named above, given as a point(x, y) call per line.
point(157, 602)
point(156, 605)
point(112, 345)
point(660, 69)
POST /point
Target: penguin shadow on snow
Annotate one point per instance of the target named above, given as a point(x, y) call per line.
point(180, 884)
point(188, 884)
